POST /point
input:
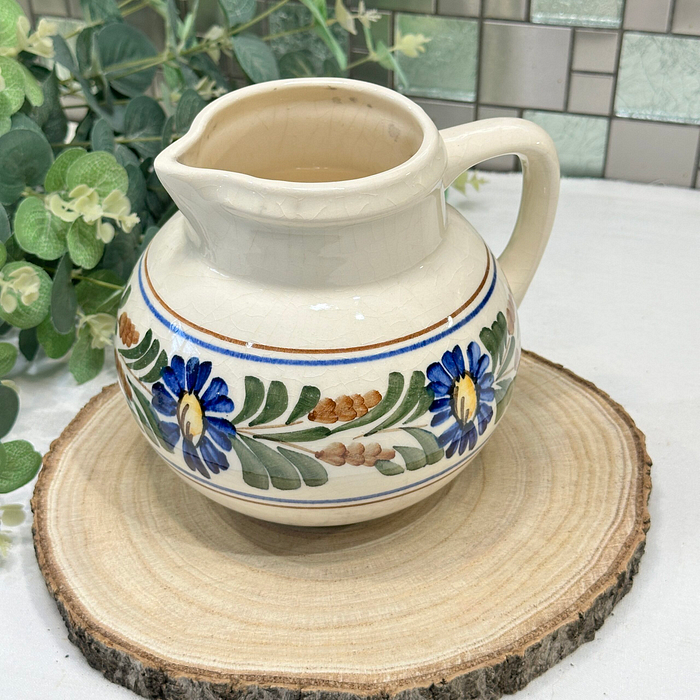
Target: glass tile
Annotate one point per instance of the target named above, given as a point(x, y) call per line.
point(577, 13)
point(447, 69)
point(380, 31)
point(399, 5)
point(659, 78)
point(580, 141)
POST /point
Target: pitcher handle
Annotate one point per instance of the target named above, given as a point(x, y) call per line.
point(470, 144)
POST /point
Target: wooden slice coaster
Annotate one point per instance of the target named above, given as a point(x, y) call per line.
point(471, 593)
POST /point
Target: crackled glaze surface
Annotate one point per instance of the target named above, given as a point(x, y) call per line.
point(318, 351)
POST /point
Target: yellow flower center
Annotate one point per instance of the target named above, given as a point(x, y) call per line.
point(464, 399)
point(191, 418)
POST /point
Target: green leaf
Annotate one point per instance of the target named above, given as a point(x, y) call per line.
point(254, 395)
point(12, 95)
point(393, 394)
point(144, 118)
point(388, 468)
point(308, 398)
point(502, 405)
point(238, 11)
point(318, 12)
point(84, 247)
point(86, 362)
point(49, 114)
point(38, 231)
point(28, 316)
point(94, 298)
point(307, 435)
point(254, 473)
point(188, 107)
point(98, 170)
point(255, 58)
point(20, 466)
point(386, 59)
point(140, 349)
point(297, 64)
point(22, 121)
point(63, 55)
point(55, 344)
point(275, 404)
point(56, 176)
point(137, 187)
point(5, 231)
point(282, 473)
point(154, 373)
point(102, 136)
point(125, 156)
point(26, 157)
point(428, 442)
point(94, 10)
point(8, 357)
point(32, 88)
point(167, 133)
point(150, 356)
point(413, 393)
point(28, 343)
point(312, 471)
point(9, 408)
point(3, 254)
point(119, 44)
point(10, 12)
point(414, 457)
point(64, 302)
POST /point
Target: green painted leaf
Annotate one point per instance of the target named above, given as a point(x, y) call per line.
point(307, 435)
point(254, 395)
point(5, 231)
point(84, 247)
point(424, 401)
point(254, 473)
point(28, 343)
point(55, 344)
point(8, 356)
point(282, 473)
point(56, 176)
point(12, 96)
point(149, 357)
point(494, 339)
point(414, 457)
point(102, 136)
point(428, 442)
point(502, 405)
point(488, 338)
point(312, 471)
point(388, 468)
point(64, 302)
point(149, 417)
point(28, 316)
point(238, 11)
point(308, 398)
point(85, 362)
point(188, 107)
point(10, 12)
point(32, 88)
point(94, 298)
point(39, 232)
point(413, 394)
point(255, 58)
point(20, 466)
point(26, 156)
point(275, 404)
point(144, 118)
point(9, 408)
point(393, 394)
point(297, 64)
point(140, 349)
point(119, 44)
point(324, 32)
point(154, 373)
point(98, 170)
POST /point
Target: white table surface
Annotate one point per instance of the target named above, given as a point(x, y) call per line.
point(617, 300)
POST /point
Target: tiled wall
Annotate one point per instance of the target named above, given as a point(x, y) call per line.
point(616, 83)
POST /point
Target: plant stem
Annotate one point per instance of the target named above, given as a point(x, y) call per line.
point(360, 61)
point(98, 22)
point(296, 30)
point(99, 283)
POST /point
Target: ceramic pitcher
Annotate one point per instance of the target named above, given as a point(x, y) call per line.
point(318, 338)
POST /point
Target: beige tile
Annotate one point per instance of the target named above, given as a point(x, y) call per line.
point(524, 65)
point(647, 15)
point(459, 8)
point(488, 112)
point(54, 8)
point(590, 94)
point(446, 114)
point(595, 51)
point(505, 9)
point(686, 17)
point(651, 152)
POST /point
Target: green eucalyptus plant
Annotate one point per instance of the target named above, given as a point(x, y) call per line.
point(77, 211)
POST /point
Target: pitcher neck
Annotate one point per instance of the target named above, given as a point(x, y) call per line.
point(330, 255)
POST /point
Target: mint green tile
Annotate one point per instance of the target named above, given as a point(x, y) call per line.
point(447, 69)
point(577, 13)
point(402, 5)
point(659, 78)
point(379, 30)
point(580, 141)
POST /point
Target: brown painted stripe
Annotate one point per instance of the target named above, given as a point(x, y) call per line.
point(319, 351)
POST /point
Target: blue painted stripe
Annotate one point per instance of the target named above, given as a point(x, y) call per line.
point(325, 501)
point(177, 330)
